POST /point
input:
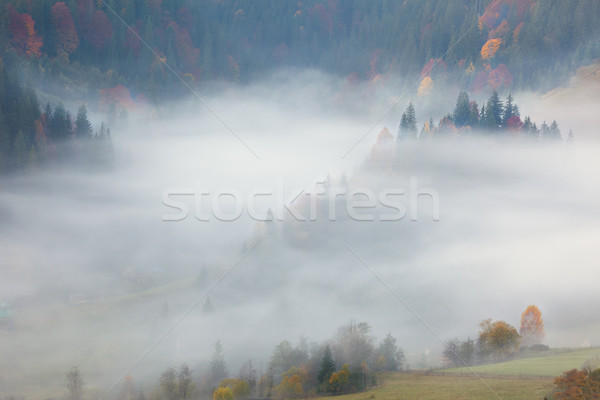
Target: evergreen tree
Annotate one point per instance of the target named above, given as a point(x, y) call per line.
point(218, 366)
point(474, 115)
point(462, 111)
point(510, 110)
point(60, 124)
point(327, 367)
point(393, 355)
point(20, 153)
point(554, 131)
point(545, 130)
point(527, 125)
point(493, 112)
point(83, 128)
point(208, 307)
point(408, 123)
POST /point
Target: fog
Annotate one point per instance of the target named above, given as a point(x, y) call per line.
point(518, 224)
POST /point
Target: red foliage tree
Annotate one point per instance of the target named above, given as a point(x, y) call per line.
point(118, 96)
point(24, 38)
point(133, 43)
point(85, 12)
point(500, 77)
point(67, 39)
point(186, 52)
point(514, 123)
point(101, 31)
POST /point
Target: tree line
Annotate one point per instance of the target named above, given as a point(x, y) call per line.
point(496, 116)
point(497, 341)
point(479, 43)
point(31, 139)
point(352, 360)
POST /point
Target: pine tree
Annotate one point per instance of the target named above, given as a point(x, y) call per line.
point(510, 110)
point(462, 111)
point(408, 123)
point(208, 307)
point(218, 366)
point(327, 366)
point(60, 124)
point(83, 128)
point(493, 112)
point(474, 115)
point(554, 131)
point(20, 151)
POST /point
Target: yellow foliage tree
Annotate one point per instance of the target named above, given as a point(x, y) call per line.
point(223, 393)
point(290, 388)
point(239, 387)
point(339, 380)
point(490, 48)
point(425, 87)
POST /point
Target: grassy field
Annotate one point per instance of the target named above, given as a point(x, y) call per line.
point(495, 380)
point(550, 363)
point(434, 387)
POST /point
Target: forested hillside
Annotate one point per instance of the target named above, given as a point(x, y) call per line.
point(114, 55)
point(483, 44)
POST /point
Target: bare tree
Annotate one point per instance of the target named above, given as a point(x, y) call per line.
point(75, 384)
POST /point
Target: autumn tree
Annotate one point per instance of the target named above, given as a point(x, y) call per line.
point(340, 380)
point(291, 384)
point(23, 36)
point(286, 356)
point(577, 385)
point(497, 340)
point(101, 31)
point(239, 387)
point(532, 326)
point(490, 48)
point(223, 394)
point(67, 39)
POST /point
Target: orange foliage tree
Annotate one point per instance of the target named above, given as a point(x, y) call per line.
point(291, 385)
point(532, 326)
point(23, 36)
point(339, 380)
point(498, 339)
point(66, 34)
point(577, 385)
point(490, 48)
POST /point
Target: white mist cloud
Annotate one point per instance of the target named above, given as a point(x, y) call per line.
point(519, 225)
